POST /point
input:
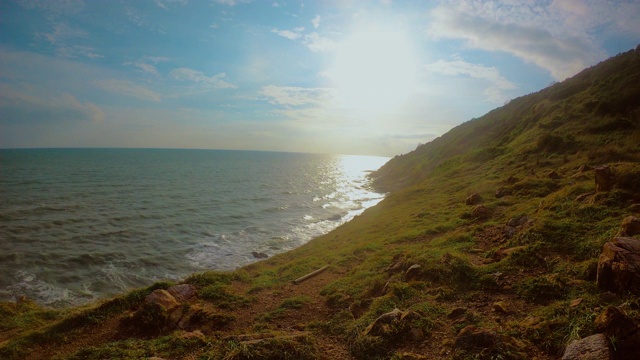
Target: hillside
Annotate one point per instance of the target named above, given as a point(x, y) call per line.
point(487, 245)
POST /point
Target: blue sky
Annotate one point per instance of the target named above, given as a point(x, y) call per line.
point(348, 77)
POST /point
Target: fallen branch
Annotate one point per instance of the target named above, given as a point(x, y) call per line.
point(310, 275)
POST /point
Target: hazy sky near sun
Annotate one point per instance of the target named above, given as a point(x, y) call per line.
point(350, 77)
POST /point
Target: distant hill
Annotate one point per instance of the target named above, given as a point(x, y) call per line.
point(596, 112)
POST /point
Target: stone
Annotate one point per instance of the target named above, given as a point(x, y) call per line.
point(379, 325)
point(594, 347)
point(473, 340)
point(630, 226)
point(604, 178)
point(518, 221)
point(501, 192)
point(182, 292)
point(619, 266)
point(259, 255)
point(413, 272)
point(501, 307)
point(613, 322)
point(456, 313)
point(553, 175)
point(473, 199)
point(576, 302)
point(481, 212)
point(163, 299)
point(584, 168)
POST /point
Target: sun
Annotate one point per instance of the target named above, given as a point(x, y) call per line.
point(374, 69)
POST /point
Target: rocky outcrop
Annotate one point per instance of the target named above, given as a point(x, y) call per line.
point(613, 323)
point(619, 266)
point(381, 325)
point(604, 178)
point(259, 255)
point(396, 322)
point(481, 212)
point(594, 347)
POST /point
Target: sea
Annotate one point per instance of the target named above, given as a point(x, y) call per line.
point(78, 225)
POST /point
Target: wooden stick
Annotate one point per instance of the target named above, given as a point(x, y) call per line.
point(310, 275)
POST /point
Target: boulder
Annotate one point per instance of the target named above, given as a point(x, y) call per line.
point(630, 226)
point(619, 266)
point(182, 292)
point(163, 299)
point(473, 199)
point(604, 178)
point(594, 347)
point(613, 322)
point(501, 307)
point(456, 313)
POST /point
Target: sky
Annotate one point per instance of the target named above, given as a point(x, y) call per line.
point(341, 76)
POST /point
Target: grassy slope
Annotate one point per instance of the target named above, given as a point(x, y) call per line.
point(590, 119)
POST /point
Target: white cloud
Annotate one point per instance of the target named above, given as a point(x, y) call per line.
point(21, 105)
point(459, 67)
point(561, 56)
point(295, 96)
point(317, 43)
point(128, 88)
point(230, 2)
point(166, 3)
point(211, 82)
point(291, 35)
point(316, 21)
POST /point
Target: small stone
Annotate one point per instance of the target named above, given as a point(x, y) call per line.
point(473, 199)
point(413, 272)
point(378, 325)
point(630, 226)
point(604, 178)
point(501, 307)
point(456, 313)
point(576, 302)
point(481, 212)
point(553, 175)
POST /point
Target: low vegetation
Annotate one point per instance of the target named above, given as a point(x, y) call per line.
point(517, 261)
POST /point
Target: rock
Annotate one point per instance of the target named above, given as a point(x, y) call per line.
point(594, 347)
point(501, 307)
point(413, 272)
point(576, 302)
point(259, 255)
point(613, 322)
point(604, 178)
point(473, 340)
point(518, 221)
point(630, 226)
point(380, 325)
point(481, 212)
point(182, 292)
point(584, 197)
point(473, 199)
point(619, 265)
point(553, 175)
point(584, 168)
point(456, 313)
point(501, 192)
point(163, 299)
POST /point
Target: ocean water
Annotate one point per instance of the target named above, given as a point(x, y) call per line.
point(82, 224)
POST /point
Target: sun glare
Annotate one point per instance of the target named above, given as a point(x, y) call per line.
point(374, 69)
